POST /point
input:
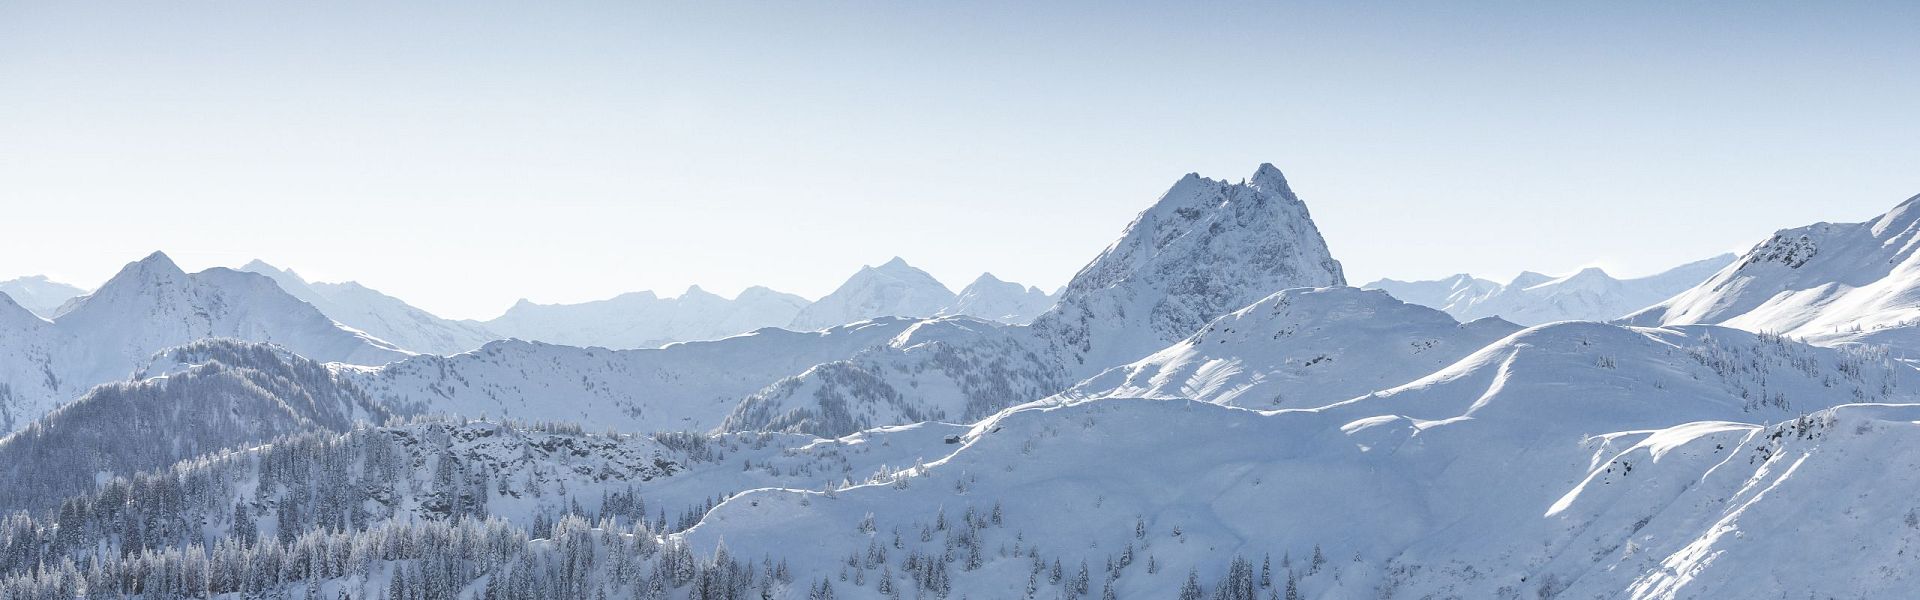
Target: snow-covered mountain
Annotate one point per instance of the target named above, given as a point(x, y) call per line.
point(152, 305)
point(1532, 298)
point(149, 306)
point(1830, 283)
point(1301, 348)
point(380, 315)
point(1206, 248)
point(39, 294)
point(645, 320)
point(992, 299)
point(893, 289)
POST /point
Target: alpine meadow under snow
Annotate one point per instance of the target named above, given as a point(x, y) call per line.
point(1205, 411)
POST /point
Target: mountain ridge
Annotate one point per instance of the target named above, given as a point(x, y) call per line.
point(1830, 283)
point(1590, 294)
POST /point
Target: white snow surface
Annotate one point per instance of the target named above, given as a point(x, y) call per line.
point(1301, 348)
point(1568, 460)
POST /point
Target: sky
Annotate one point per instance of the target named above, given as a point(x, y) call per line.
point(462, 155)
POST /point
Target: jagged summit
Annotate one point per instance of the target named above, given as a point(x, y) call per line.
point(1269, 177)
point(1205, 248)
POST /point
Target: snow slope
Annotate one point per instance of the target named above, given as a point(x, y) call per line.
point(380, 315)
point(39, 294)
point(1301, 348)
point(952, 368)
point(30, 377)
point(1567, 460)
point(990, 298)
point(644, 320)
point(1830, 283)
point(1526, 469)
point(1532, 298)
point(893, 289)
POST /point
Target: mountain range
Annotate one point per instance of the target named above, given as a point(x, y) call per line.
point(150, 306)
point(644, 320)
point(1532, 298)
point(1207, 410)
point(629, 321)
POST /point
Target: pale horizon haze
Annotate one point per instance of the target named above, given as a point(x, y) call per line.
point(461, 156)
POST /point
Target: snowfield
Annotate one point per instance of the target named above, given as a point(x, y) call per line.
point(1532, 467)
point(1301, 348)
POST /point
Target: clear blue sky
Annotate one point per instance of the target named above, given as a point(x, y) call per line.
point(464, 154)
